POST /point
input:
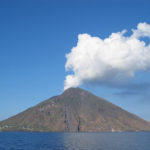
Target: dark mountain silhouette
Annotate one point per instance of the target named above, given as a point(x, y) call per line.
point(75, 110)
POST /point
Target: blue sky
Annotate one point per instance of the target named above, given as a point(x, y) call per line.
point(35, 36)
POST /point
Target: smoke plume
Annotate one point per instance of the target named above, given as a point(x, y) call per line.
point(113, 59)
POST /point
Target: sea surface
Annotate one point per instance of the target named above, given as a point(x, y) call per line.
point(74, 141)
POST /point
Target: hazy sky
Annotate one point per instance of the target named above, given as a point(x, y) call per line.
point(36, 35)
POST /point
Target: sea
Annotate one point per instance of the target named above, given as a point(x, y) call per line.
point(74, 141)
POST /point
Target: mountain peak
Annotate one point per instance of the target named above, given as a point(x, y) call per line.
point(73, 89)
point(76, 94)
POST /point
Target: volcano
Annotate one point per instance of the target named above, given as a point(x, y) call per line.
point(75, 110)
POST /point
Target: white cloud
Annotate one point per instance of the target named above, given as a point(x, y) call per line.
point(143, 30)
point(112, 59)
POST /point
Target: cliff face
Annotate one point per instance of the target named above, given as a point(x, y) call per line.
point(75, 110)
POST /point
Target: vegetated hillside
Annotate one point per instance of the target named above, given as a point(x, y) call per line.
point(75, 110)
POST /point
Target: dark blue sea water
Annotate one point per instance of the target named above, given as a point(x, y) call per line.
point(74, 141)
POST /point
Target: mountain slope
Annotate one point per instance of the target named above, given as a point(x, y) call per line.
point(75, 110)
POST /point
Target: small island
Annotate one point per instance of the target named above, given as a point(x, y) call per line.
point(75, 110)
